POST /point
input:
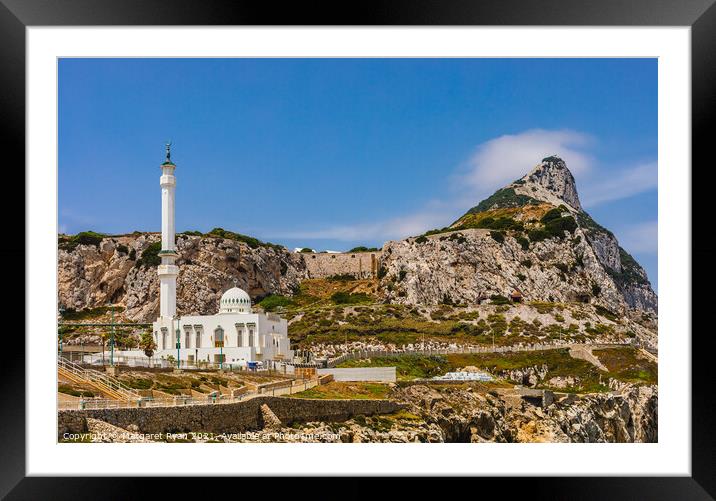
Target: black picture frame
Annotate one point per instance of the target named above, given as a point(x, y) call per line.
point(700, 15)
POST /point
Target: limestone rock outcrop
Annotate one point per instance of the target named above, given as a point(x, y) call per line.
point(91, 276)
point(531, 236)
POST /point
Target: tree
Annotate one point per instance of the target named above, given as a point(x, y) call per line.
point(147, 344)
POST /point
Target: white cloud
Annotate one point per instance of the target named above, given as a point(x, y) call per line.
point(501, 160)
point(387, 229)
point(615, 185)
point(494, 164)
point(640, 238)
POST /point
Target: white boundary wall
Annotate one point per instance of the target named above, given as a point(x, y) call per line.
point(381, 374)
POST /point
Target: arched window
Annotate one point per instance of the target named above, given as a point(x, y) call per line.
point(218, 337)
point(164, 338)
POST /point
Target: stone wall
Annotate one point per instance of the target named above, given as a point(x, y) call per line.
point(357, 264)
point(223, 418)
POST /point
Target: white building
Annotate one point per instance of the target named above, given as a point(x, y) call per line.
point(236, 335)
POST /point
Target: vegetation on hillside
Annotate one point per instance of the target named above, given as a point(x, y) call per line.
point(362, 248)
point(338, 390)
point(624, 364)
point(250, 241)
point(150, 256)
point(70, 242)
point(505, 197)
point(535, 223)
point(401, 324)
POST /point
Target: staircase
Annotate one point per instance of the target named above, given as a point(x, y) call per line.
point(106, 385)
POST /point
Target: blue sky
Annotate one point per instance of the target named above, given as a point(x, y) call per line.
point(333, 153)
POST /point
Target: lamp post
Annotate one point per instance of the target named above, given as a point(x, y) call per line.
point(111, 341)
point(178, 334)
point(59, 330)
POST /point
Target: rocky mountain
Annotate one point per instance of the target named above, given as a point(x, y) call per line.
point(532, 237)
point(94, 270)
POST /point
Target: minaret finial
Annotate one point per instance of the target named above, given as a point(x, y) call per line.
point(169, 153)
point(236, 282)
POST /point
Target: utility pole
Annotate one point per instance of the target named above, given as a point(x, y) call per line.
point(111, 342)
point(178, 334)
point(59, 330)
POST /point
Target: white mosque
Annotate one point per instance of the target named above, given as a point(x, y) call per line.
point(236, 335)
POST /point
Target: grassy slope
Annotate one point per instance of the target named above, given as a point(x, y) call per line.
point(345, 390)
point(623, 363)
point(401, 324)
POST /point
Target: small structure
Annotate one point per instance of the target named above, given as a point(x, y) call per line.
point(516, 296)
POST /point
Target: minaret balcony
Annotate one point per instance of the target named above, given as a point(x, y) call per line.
point(168, 270)
point(168, 253)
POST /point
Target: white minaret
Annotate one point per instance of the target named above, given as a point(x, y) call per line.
point(168, 271)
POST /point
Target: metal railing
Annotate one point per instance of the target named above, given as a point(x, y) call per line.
point(101, 381)
point(95, 359)
point(186, 400)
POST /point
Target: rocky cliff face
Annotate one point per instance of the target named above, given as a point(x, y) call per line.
point(466, 414)
point(532, 237)
point(117, 270)
point(471, 416)
point(550, 181)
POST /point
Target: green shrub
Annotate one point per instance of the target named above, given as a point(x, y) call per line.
point(503, 198)
point(362, 248)
point(596, 289)
point(521, 277)
point(122, 249)
point(606, 313)
point(562, 267)
point(250, 241)
point(382, 272)
point(498, 324)
point(421, 239)
point(551, 214)
point(346, 298)
point(542, 307)
point(579, 260)
point(497, 236)
point(343, 277)
point(557, 227)
point(537, 235)
point(498, 299)
point(273, 301)
point(527, 263)
point(524, 243)
point(82, 238)
point(306, 250)
point(501, 223)
point(150, 256)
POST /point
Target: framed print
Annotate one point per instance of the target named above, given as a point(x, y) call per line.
point(450, 240)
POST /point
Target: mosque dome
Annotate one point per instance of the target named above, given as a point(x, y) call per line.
point(235, 300)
